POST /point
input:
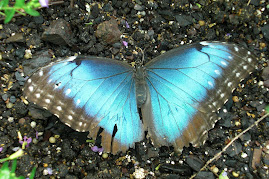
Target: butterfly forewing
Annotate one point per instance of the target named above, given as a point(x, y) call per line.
point(90, 93)
point(187, 86)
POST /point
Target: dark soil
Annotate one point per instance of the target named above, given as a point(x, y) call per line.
point(154, 26)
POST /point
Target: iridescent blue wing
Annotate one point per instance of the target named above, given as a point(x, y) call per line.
point(90, 94)
point(187, 85)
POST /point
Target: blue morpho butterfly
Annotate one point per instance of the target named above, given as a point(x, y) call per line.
point(178, 93)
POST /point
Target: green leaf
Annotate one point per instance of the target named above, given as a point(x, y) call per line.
point(31, 11)
point(32, 173)
point(13, 166)
point(267, 109)
point(20, 3)
point(9, 14)
point(3, 3)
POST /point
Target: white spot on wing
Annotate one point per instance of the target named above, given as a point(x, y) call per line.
point(236, 49)
point(223, 63)
point(237, 74)
point(80, 123)
point(210, 83)
point(71, 58)
point(217, 72)
point(68, 91)
point(47, 100)
point(40, 73)
point(66, 124)
point(230, 84)
point(204, 43)
point(29, 80)
point(249, 59)
point(59, 108)
point(70, 117)
point(222, 95)
point(78, 101)
point(37, 95)
point(245, 67)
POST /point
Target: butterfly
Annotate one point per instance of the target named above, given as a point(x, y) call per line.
point(178, 94)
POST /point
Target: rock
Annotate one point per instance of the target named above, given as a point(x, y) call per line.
point(256, 158)
point(59, 33)
point(195, 163)
point(42, 59)
point(265, 76)
point(265, 31)
point(184, 20)
point(18, 37)
point(108, 31)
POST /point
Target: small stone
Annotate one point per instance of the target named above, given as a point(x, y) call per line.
point(256, 158)
point(235, 174)
point(194, 162)
point(235, 99)
point(10, 119)
point(201, 23)
point(28, 54)
point(215, 169)
point(18, 37)
point(108, 31)
point(59, 33)
point(104, 155)
point(138, 7)
point(22, 121)
point(33, 124)
point(244, 155)
point(52, 140)
point(35, 141)
point(9, 105)
point(12, 99)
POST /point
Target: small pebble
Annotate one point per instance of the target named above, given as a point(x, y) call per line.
point(10, 119)
point(35, 141)
point(201, 23)
point(215, 169)
point(9, 105)
point(235, 99)
point(33, 124)
point(52, 140)
point(21, 121)
point(104, 155)
point(244, 155)
point(260, 83)
point(235, 174)
point(28, 54)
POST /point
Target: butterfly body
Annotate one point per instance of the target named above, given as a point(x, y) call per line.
point(177, 92)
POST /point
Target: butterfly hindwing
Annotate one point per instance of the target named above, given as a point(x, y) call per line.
point(187, 85)
point(89, 93)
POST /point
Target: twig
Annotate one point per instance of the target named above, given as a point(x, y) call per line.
point(50, 4)
point(72, 3)
point(228, 145)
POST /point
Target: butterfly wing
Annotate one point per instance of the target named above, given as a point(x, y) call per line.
point(187, 86)
point(90, 94)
